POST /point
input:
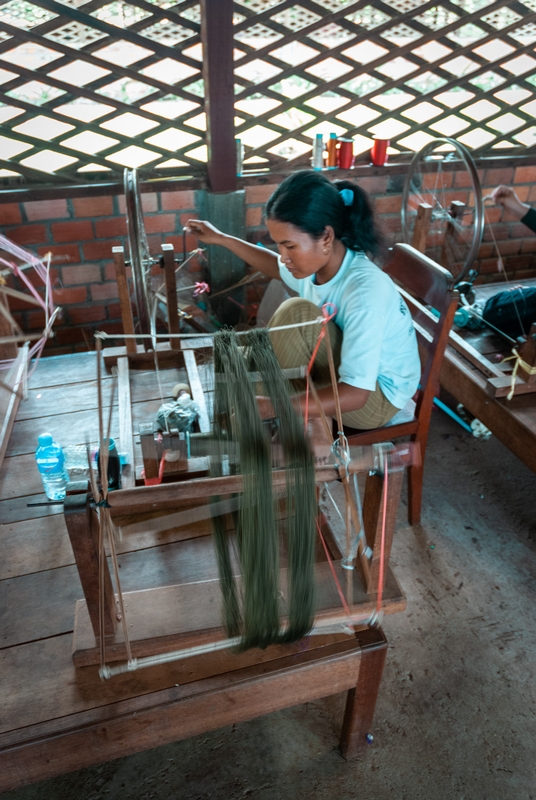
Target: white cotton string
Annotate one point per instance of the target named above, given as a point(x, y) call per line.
point(104, 335)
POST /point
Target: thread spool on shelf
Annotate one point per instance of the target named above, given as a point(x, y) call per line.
point(378, 153)
point(346, 153)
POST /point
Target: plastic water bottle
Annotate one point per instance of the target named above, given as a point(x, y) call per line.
point(51, 465)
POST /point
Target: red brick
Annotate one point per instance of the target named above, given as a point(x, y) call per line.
point(61, 253)
point(391, 224)
point(109, 272)
point(462, 178)
point(531, 197)
point(28, 234)
point(500, 231)
point(161, 223)
point(373, 184)
point(523, 274)
point(15, 304)
point(493, 214)
point(155, 241)
point(185, 218)
point(46, 209)
point(68, 335)
point(529, 245)
point(488, 265)
point(82, 314)
point(10, 214)
point(85, 273)
point(114, 310)
point(486, 250)
point(99, 251)
point(104, 291)
point(519, 231)
point(72, 231)
point(253, 217)
point(93, 206)
point(35, 319)
point(388, 205)
point(260, 193)
point(510, 247)
point(149, 203)
point(495, 177)
point(432, 181)
point(115, 226)
point(525, 175)
point(176, 201)
point(64, 297)
point(523, 193)
point(36, 281)
point(191, 243)
point(518, 262)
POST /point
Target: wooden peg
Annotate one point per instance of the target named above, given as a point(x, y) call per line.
point(422, 226)
point(124, 297)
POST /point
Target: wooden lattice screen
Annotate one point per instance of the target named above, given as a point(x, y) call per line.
point(90, 86)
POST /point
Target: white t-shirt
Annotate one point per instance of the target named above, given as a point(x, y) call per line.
point(379, 342)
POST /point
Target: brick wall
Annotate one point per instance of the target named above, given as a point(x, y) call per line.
point(81, 232)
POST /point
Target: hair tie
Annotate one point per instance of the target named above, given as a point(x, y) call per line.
point(347, 196)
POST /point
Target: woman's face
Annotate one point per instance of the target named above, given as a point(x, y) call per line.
point(301, 254)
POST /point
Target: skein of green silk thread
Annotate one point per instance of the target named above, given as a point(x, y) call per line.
point(257, 526)
point(300, 487)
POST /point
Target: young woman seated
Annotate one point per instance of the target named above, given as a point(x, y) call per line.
point(326, 236)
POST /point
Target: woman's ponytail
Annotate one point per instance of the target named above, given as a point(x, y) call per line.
point(310, 201)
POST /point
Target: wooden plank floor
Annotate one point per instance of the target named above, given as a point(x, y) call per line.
point(513, 422)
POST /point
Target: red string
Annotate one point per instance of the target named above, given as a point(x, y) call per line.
point(382, 544)
point(156, 481)
point(327, 315)
point(337, 584)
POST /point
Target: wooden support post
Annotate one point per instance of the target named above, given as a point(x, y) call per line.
point(124, 297)
point(361, 701)
point(422, 226)
point(12, 389)
point(149, 451)
point(128, 475)
point(456, 211)
point(82, 526)
point(168, 259)
point(9, 350)
point(373, 519)
point(218, 76)
point(197, 389)
point(527, 351)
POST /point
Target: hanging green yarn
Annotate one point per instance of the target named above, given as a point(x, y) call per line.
point(236, 417)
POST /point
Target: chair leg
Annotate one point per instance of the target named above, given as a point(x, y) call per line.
point(415, 479)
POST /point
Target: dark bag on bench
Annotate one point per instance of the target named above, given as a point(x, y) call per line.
point(505, 310)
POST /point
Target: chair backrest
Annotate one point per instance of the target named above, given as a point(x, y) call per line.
point(428, 289)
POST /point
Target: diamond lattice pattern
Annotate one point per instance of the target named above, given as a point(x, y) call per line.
point(101, 85)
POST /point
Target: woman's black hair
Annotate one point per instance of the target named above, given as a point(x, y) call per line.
point(310, 201)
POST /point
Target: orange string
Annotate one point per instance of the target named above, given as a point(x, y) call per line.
point(382, 544)
point(329, 311)
point(337, 584)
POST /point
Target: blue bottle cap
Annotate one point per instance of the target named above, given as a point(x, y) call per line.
point(45, 439)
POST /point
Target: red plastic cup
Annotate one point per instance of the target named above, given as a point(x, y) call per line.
point(378, 153)
point(346, 153)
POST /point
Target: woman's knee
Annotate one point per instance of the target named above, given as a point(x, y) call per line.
point(293, 310)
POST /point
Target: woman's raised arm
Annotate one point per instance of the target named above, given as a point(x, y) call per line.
point(257, 257)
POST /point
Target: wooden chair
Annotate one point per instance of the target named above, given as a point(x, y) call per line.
point(423, 285)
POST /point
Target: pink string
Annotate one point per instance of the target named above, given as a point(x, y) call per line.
point(329, 311)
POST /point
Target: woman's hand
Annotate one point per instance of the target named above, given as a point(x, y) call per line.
point(205, 231)
point(506, 197)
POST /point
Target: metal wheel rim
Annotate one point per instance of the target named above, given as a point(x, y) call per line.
point(478, 226)
point(138, 246)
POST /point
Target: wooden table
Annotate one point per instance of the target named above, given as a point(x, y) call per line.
point(56, 718)
point(513, 422)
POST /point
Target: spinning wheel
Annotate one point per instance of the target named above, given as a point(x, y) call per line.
point(140, 259)
point(442, 207)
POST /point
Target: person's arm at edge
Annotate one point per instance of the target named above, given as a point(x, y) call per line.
point(257, 257)
point(350, 397)
point(506, 197)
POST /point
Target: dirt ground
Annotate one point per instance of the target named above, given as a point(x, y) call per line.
point(456, 714)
